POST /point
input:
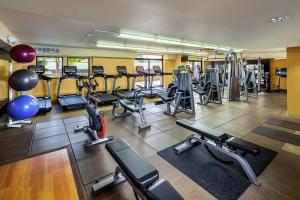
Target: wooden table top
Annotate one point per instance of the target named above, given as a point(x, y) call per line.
point(47, 177)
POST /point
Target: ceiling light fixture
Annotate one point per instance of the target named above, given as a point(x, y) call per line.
point(163, 40)
point(136, 37)
point(278, 19)
point(148, 49)
point(166, 41)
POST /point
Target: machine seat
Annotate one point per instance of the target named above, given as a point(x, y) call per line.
point(139, 171)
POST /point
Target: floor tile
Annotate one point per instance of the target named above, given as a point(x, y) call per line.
point(96, 167)
point(179, 133)
point(161, 141)
point(283, 175)
point(264, 141)
point(292, 149)
point(164, 124)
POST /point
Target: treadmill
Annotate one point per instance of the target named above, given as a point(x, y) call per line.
point(101, 97)
point(127, 93)
point(148, 88)
point(45, 105)
point(157, 70)
point(71, 101)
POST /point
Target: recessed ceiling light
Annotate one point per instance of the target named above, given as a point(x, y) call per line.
point(278, 19)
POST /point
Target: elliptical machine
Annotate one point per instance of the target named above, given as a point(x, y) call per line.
point(96, 128)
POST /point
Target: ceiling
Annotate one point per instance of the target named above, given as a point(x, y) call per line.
point(234, 23)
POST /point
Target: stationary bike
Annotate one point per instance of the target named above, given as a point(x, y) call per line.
point(96, 128)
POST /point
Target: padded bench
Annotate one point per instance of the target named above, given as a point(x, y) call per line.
point(140, 173)
point(233, 147)
point(212, 134)
point(219, 137)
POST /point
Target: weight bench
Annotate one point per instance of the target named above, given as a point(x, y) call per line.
point(139, 173)
point(132, 105)
point(233, 147)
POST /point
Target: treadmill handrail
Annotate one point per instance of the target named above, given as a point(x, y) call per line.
point(64, 77)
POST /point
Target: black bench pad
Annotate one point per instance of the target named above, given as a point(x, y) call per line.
point(239, 144)
point(165, 97)
point(140, 172)
point(129, 105)
point(163, 190)
point(215, 135)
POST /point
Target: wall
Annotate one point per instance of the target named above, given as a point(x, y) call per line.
point(3, 79)
point(293, 80)
point(278, 64)
point(4, 32)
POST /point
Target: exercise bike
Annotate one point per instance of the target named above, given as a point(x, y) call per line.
point(96, 128)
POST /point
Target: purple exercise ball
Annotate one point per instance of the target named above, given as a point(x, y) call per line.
point(22, 53)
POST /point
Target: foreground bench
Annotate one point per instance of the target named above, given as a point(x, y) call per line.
point(140, 174)
point(233, 147)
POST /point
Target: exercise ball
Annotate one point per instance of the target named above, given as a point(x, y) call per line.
point(23, 80)
point(22, 53)
point(23, 107)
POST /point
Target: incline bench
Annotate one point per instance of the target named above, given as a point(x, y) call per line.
point(211, 138)
point(139, 173)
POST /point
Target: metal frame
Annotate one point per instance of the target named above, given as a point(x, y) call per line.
point(137, 104)
point(14, 123)
point(192, 141)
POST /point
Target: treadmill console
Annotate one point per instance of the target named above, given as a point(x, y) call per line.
point(157, 69)
point(70, 70)
point(122, 70)
point(140, 69)
point(98, 70)
point(39, 69)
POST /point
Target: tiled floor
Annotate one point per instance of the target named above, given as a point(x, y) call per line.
point(280, 180)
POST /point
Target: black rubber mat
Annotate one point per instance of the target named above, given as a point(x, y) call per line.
point(278, 135)
point(49, 144)
point(284, 123)
point(15, 143)
point(226, 182)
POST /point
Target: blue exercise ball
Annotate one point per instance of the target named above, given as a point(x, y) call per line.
point(23, 107)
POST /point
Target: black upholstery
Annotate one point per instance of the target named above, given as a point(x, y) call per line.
point(163, 190)
point(236, 143)
point(140, 172)
point(204, 90)
point(215, 135)
point(169, 95)
point(128, 105)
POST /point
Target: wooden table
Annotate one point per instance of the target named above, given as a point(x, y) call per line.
point(47, 177)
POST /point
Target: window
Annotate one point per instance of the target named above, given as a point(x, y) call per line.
point(53, 65)
point(148, 61)
point(82, 64)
